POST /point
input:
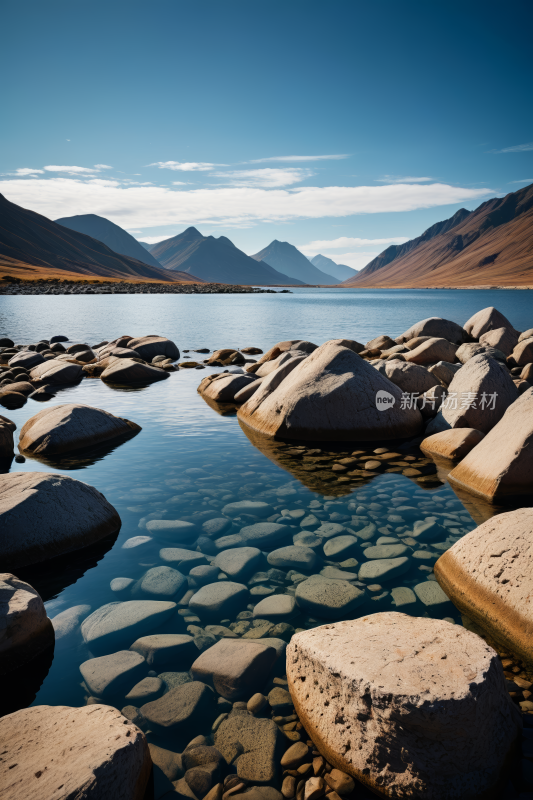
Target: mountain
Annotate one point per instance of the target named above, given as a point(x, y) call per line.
point(492, 245)
point(286, 258)
point(112, 235)
point(146, 245)
point(29, 238)
point(339, 271)
point(216, 259)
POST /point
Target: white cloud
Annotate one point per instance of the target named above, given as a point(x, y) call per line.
point(518, 148)
point(102, 166)
point(152, 206)
point(186, 166)
point(156, 239)
point(525, 180)
point(26, 171)
point(268, 178)
point(298, 158)
point(398, 179)
point(180, 183)
point(72, 170)
point(346, 241)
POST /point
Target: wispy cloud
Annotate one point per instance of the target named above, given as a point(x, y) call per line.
point(337, 157)
point(517, 148)
point(186, 166)
point(102, 166)
point(76, 170)
point(152, 206)
point(525, 180)
point(268, 177)
point(347, 241)
point(402, 179)
point(25, 172)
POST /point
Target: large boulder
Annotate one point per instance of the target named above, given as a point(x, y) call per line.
point(26, 359)
point(117, 625)
point(60, 752)
point(453, 444)
point(444, 371)
point(434, 327)
point(488, 319)
point(501, 465)
point(113, 675)
point(503, 339)
point(478, 397)
point(223, 388)
point(6, 438)
point(275, 377)
point(54, 371)
point(235, 668)
point(126, 370)
point(472, 349)
point(25, 630)
point(411, 378)
point(523, 352)
point(70, 427)
point(332, 395)
point(148, 347)
point(431, 351)
point(411, 707)
point(488, 574)
point(43, 515)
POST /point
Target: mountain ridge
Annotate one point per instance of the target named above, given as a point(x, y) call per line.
point(284, 256)
point(340, 271)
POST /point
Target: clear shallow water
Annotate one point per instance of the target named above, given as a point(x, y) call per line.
point(149, 475)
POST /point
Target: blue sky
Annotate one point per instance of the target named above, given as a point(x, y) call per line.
point(338, 125)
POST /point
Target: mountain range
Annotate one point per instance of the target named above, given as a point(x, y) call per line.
point(492, 245)
point(216, 260)
point(286, 258)
point(115, 237)
point(29, 241)
point(340, 271)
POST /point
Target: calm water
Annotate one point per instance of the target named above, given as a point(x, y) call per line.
point(189, 461)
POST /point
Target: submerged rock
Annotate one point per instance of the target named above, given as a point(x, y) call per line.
point(112, 675)
point(183, 711)
point(222, 600)
point(120, 624)
point(328, 598)
point(260, 741)
point(235, 668)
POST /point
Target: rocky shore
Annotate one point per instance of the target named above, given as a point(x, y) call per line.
point(10, 286)
point(258, 643)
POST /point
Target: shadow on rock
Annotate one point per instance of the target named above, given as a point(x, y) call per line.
point(224, 409)
point(80, 459)
point(20, 687)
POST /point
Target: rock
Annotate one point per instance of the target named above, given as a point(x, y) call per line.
point(27, 359)
point(6, 440)
point(523, 352)
point(150, 346)
point(264, 535)
point(256, 703)
point(121, 585)
point(185, 559)
point(108, 756)
point(224, 387)
point(201, 576)
point(340, 782)
point(108, 676)
point(221, 600)
point(403, 596)
point(255, 507)
point(126, 371)
point(411, 378)
point(182, 711)
point(332, 395)
point(341, 547)
point(43, 515)
point(501, 465)
point(244, 394)
point(224, 355)
point(276, 608)
point(275, 376)
point(503, 339)
point(295, 756)
point(386, 551)
point(478, 397)
point(472, 349)
point(120, 624)
point(68, 621)
point(430, 593)
point(161, 649)
point(146, 690)
point(461, 722)
point(12, 400)
point(384, 569)
point(19, 387)
point(235, 668)
point(453, 444)
point(380, 343)
point(215, 527)
point(25, 628)
point(327, 598)
point(175, 530)
point(432, 350)
point(162, 583)
point(434, 327)
point(293, 557)
point(239, 562)
point(489, 319)
point(444, 371)
point(260, 741)
point(427, 530)
point(57, 373)
point(488, 575)
point(60, 429)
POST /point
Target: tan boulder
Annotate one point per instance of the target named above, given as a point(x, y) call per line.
point(453, 444)
point(332, 394)
point(526, 335)
point(149, 347)
point(410, 706)
point(43, 515)
point(24, 625)
point(411, 378)
point(26, 358)
point(71, 427)
point(432, 350)
point(444, 371)
point(244, 394)
point(57, 371)
point(271, 366)
point(488, 574)
point(21, 387)
point(502, 464)
point(57, 752)
point(224, 355)
point(472, 349)
point(504, 339)
point(488, 319)
point(435, 327)
point(277, 349)
point(117, 352)
point(380, 343)
point(224, 387)
point(126, 370)
point(266, 386)
point(478, 397)
point(523, 352)
point(527, 373)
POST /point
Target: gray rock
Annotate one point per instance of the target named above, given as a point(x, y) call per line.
point(114, 674)
point(201, 576)
point(340, 547)
point(43, 515)
point(293, 556)
point(367, 532)
point(235, 668)
point(215, 527)
point(183, 711)
point(121, 585)
point(327, 598)
point(264, 535)
point(68, 621)
point(174, 679)
point(403, 596)
point(338, 574)
point(120, 624)
point(162, 583)
point(255, 507)
point(329, 529)
point(260, 741)
point(444, 371)
point(162, 649)
point(27, 359)
point(430, 593)
point(173, 530)
point(222, 600)
point(386, 551)
point(25, 630)
point(276, 608)
point(146, 690)
point(434, 327)
point(427, 530)
point(468, 351)
point(182, 558)
point(239, 562)
point(411, 378)
point(384, 569)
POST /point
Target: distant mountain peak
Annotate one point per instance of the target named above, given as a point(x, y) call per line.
point(286, 258)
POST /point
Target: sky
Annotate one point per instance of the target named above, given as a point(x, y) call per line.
point(339, 126)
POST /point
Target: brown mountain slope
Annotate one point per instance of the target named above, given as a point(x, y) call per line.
point(492, 245)
point(32, 239)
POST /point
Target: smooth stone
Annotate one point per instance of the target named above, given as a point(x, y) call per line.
point(184, 559)
point(111, 675)
point(161, 649)
point(144, 691)
point(329, 529)
point(327, 598)
point(69, 620)
point(338, 574)
point(235, 668)
point(201, 576)
point(173, 530)
point(340, 547)
point(403, 596)
point(120, 585)
point(222, 600)
point(277, 608)
point(120, 624)
point(427, 530)
point(216, 527)
point(260, 741)
point(293, 557)
point(384, 569)
point(238, 562)
point(255, 507)
point(182, 711)
point(25, 628)
point(262, 534)
point(386, 551)
point(162, 583)
point(430, 593)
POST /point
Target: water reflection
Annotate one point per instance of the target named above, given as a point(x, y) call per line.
point(83, 458)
